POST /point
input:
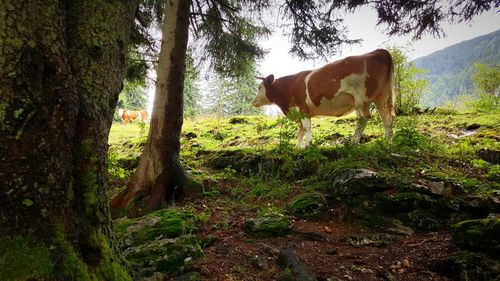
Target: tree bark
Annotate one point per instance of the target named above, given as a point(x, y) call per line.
point(61, 70)
point(159, 176)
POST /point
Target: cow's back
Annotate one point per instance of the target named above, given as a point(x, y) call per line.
point(335, 88)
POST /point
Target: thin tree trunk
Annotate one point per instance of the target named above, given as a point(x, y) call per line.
point(61, 69)
point(159, 175)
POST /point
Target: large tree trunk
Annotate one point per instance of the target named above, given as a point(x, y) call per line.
point(159, 175)
point(61, 70)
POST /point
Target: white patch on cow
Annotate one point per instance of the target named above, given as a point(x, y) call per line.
point(309, 102)
point(354, 84)
point(352, 92)
point(304, 129)
point(120, 112)
point(261, 98)
point(341, 104)
point(306, 124)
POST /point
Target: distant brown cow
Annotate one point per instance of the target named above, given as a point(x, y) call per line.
point(335, 89)
point(131, 115)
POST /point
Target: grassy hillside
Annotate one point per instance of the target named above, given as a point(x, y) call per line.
point(257, 193)
point(450, 69)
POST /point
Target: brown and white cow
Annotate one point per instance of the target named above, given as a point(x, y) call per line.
point(335, 89)
point(131, 115)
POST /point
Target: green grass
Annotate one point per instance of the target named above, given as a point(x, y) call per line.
point(253, 159)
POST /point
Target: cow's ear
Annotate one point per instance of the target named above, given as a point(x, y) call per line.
point(270, 79)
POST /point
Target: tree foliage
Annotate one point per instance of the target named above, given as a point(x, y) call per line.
point(192, 94)
point(133, 96)
point(487, 80)
point(451, 69)
point(410, 82)
point(230, 97)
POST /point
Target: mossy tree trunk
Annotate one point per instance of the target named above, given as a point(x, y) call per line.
point(61, 70)
point(159, 175)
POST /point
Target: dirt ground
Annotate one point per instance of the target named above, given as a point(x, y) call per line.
point(236, 256)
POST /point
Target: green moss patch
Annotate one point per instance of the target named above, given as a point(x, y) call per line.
point(22, 260)
point(307, 205)
point(159, 242)
point(163, 255)
point(269, 225)
point(168, 223)
point(481, 234)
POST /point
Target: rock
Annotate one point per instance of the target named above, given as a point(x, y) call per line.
point(297, 270)
point(190, 276)
point(473, 126)
point(157, 276)
point(163, 223)
point(490, 155)
point(269, 225)
point(480, 235)
point(468, 266)
point(238, 120)
point(408, 201)
point(312, 236)
point(332, 252)
point(158, 243)
point(481, 206)
point(162, 255)
point(377, 240)
point(356, 182)
point(439, 188)
point(190, 135)
point(421, 220)
point(307, 205)
point(396, 227)
point(259, 262)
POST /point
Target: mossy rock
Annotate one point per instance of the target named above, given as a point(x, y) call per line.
point(481, 234)
point(377, 240)
point(168, 223)
point(296, 168)
point(128, 162)
point(469, 266)
point(408, 201)
point(162, 255)
point(269, 226)
point(238, 120)
point(356, 182)
point(421, 220)
point(307, 205)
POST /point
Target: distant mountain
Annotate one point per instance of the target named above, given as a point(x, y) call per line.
point(450, 69)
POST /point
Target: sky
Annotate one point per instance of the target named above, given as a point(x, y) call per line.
point(362, 24)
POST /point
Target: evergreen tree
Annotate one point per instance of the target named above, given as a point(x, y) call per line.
point(133, 96)
point(192, 94)
point(487, 81)
point(229, 37)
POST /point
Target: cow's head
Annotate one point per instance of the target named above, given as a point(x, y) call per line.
point(262, 99)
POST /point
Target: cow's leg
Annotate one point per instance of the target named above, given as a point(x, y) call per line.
point(306, 124)
point(300, 135)
point(385, 107)
point(363, 114)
